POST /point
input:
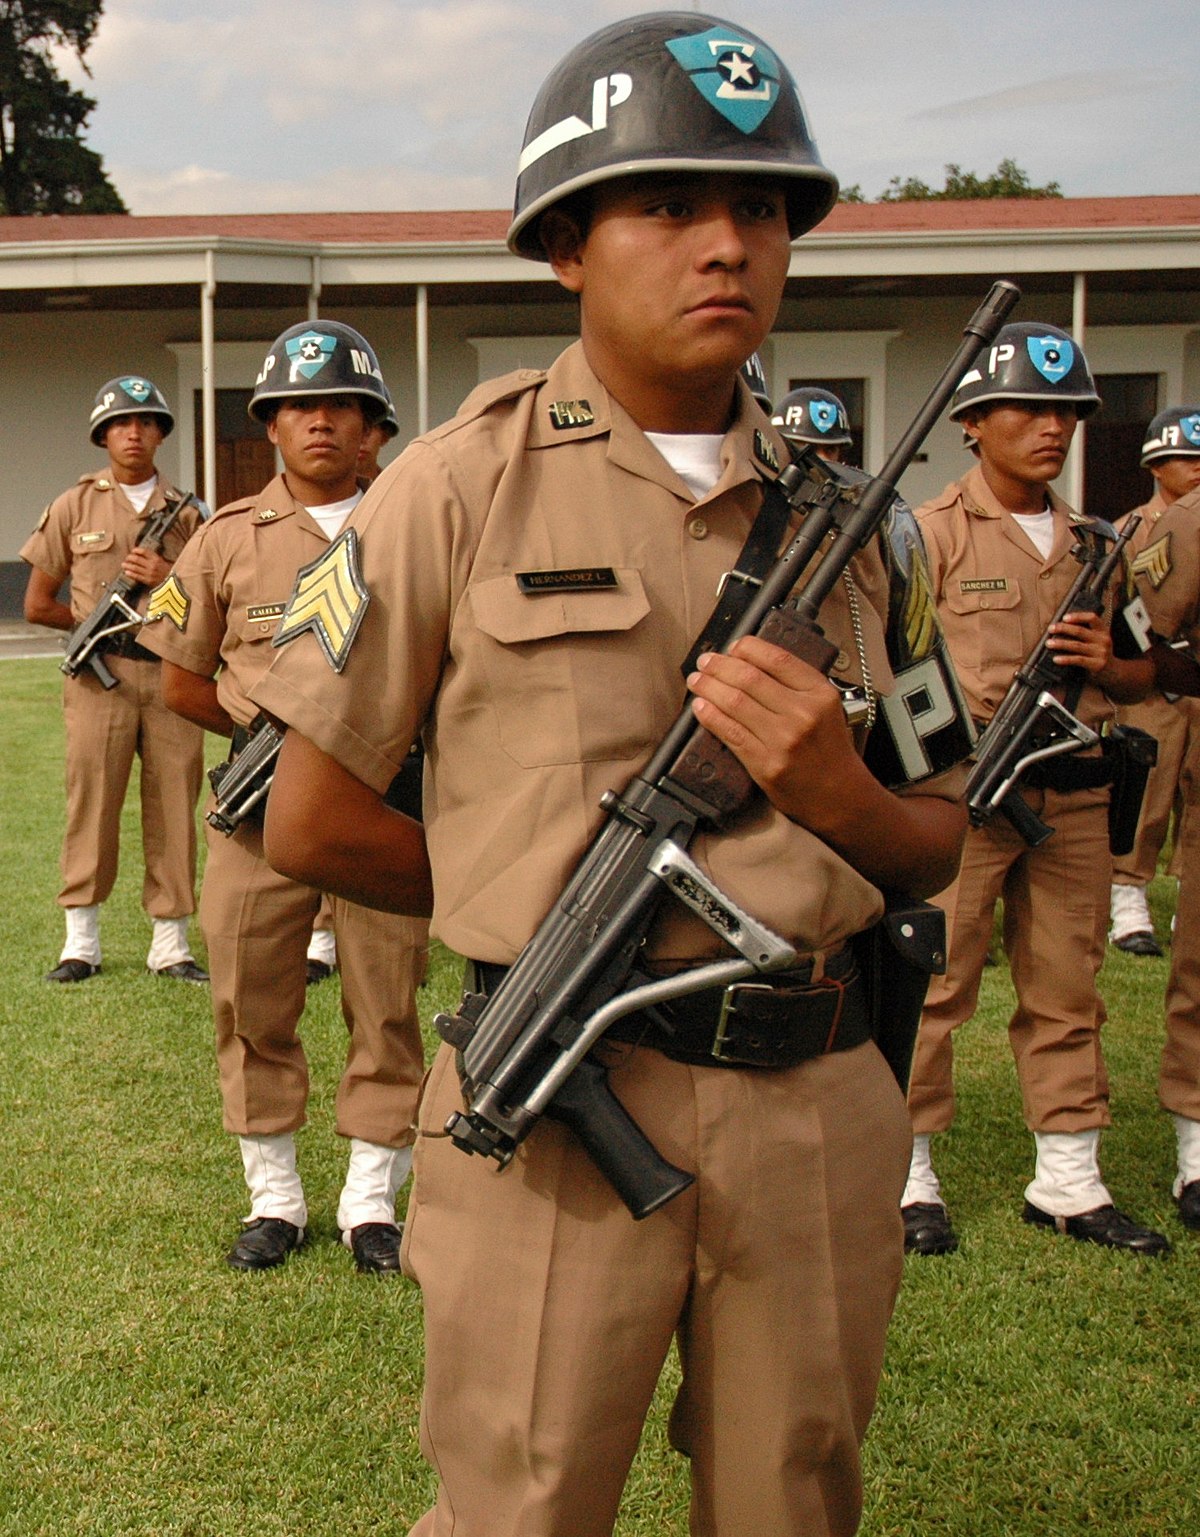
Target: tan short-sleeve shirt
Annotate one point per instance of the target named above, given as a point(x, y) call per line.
point(537, 573)
point(994, 591)
point(229, 589)
point(1167, 572)
point(87, 532)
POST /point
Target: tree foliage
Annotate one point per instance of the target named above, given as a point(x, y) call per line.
point(45, 167)
point(1007, 180)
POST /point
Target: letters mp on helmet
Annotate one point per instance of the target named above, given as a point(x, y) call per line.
point(127, 395)
point(672, 91)
point(812, 415)
point(1173, 434)
point(1028, 361)
point(320, 357)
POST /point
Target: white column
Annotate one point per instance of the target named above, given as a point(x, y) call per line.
point(208, 378)
point(422, 358)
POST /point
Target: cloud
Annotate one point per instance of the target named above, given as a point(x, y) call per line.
point(1054, 91)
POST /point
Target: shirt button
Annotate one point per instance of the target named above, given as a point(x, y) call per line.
point(842, 662)
point(698, 528)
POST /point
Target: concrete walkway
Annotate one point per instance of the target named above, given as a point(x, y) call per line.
point(18, 640)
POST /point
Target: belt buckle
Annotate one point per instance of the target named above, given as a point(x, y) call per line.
point(724, 1020)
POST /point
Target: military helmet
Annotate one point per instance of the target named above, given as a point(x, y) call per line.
point(129, 395)
point(390, 422)
point(752, 372)
point(319, 357)
point(1028, 361)
point(813, 415)
point(671, 91)
point(1173, 434)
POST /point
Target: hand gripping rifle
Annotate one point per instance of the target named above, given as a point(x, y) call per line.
point(523, 1050)
point(114, 613)
point(1031, 723)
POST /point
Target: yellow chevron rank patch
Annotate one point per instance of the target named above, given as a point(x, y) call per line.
point(920, 615)
point(329, 599)
point(1154, 563)
point(169, 600)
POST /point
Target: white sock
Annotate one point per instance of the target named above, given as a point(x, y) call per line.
point(170, 943)
point(372, 1180)
point(1129, 912)
point(83, 935)
point(1067, 1179)
point(322, 947)
point(271, 1178)
point(1187, 1135)
point(922, 1183)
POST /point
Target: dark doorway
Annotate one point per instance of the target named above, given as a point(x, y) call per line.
point(852, 393)
point(1113, 482)
point(245, 455)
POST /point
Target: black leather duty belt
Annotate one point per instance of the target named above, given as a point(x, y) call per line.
point(125, 645)
point(773, 1023)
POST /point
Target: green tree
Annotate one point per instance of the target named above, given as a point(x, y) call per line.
point(1007, 180)
point(45, 167)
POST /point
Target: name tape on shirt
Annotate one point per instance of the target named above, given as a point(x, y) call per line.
point(577, 579)
point(330, 599)
point(985, 584)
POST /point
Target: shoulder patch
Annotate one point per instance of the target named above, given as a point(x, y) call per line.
point(921, 629)
point(329, 599)
point(1154, 563)
point(169, 600)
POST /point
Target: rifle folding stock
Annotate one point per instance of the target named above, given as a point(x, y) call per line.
point(115, 613)
point(523, 1048)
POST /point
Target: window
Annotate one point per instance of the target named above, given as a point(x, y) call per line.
point(245, 455)
point(1113, 481)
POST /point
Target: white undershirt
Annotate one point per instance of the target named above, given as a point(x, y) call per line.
point(137, 496)
point(332, 515)
point(1040, 528)
point(694, 456)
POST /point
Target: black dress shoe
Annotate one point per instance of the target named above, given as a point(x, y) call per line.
point(1103, 1225)
point(927, 1229)
point(72, 971)
point(1188, 1202)
point(1142, 942)
point(264, 1243)
point(376, 1247)
point(181, 971)
point(316, 971)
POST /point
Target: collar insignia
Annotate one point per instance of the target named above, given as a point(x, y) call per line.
point(571, 413)
point(169, 600)
point(329, 599)
point(1154, 563)
point(764, 451)
point(267, 515)
point(103, 484)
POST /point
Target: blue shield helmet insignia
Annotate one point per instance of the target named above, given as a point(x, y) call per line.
point(309, 353)
point(737, 77)
point(1052, 356)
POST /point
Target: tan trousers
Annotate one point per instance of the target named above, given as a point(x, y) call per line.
point(1179, 1072)
point(256, 924)
point(549, 1311)
point(1055, 921)
point(1176, 728)
point(105, 729)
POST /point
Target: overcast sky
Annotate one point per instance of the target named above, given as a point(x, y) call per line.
point(222, 106)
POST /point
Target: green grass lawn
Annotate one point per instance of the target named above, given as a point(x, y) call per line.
point(1033, 1385)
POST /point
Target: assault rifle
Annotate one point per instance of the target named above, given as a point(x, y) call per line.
point(240, 784)
point(1031, 723)
point(524, 1049)
point(114, 613)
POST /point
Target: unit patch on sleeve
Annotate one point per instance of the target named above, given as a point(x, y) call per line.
point(1154, 563)
point(329, 599)
point(169, 600)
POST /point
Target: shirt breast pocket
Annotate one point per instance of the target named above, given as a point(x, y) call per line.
point(568, 674)
point(91, 542)
point(983, 627)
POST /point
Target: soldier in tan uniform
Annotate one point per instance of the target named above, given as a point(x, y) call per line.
point(816, 417)
point(213, 623)
point(1171, 453)
point(89, 534)
point(999, 546)
point(1168, 578)
point(535, 571)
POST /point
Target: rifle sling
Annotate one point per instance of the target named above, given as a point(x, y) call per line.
point(739, 585)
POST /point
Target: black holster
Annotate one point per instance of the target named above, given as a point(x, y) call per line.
point(1131, 753)
point(897, 956)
